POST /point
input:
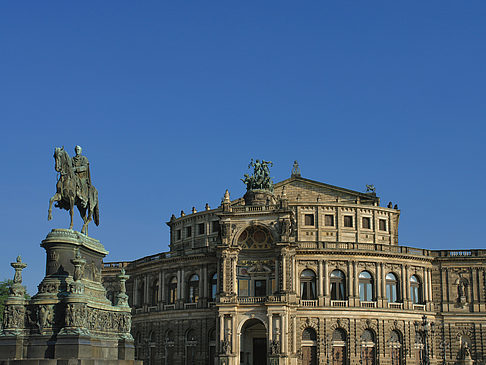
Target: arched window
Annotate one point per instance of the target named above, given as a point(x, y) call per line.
point(365, 286)
point(309, 347)
point(395, 344)
point(415, 290)
point(367, 354)
point(138, 346)
point(339, 340)
point(154, 292)
point(169, 347)
point(152, 347)
point(191, 342)
point(193, 296)
point(214, 286)
point(338, 285)
point(308, 285)
point(173, 290)
point(392, 293)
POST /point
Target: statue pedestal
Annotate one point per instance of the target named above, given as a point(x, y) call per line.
point(69, 320)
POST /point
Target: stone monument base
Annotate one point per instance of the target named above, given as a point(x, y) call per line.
point(69, 321)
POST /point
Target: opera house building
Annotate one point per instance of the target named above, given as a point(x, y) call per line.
point(302, 272)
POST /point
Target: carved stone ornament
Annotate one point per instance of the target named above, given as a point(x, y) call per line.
point(122, 297)
point(45, 317)
point(14, 317)
point(17, 289)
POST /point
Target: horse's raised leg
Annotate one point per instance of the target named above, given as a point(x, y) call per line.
point(55, 198)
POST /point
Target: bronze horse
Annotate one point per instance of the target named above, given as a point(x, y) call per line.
point(66, 195)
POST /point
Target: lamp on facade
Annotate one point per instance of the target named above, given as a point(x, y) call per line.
point(423, 329)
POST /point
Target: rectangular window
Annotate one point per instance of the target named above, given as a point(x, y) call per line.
point(243, 287)
point(382, 223)
point(329, 220)
point(309, 219)
point(366, 223)
point(348, 221)
point(188, 231)
point(200, 228)
point(260, 288)
point(178, 234)
point(215, 227)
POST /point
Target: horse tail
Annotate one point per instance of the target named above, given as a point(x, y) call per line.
point(96, 214)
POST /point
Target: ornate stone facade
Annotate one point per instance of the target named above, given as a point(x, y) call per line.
point(308, 273)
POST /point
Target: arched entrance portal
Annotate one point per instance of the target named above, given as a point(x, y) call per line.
point(253, 343)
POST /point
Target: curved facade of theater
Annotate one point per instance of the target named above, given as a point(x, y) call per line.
point(308, 274)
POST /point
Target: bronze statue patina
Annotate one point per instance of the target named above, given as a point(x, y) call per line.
point(74, 188)
point(260, 180)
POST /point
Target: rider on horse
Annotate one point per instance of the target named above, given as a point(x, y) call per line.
point(81, 169)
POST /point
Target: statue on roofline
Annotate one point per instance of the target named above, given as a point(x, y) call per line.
point(260, 180)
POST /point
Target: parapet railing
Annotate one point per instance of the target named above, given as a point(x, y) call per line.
point(365, 247)
point(459, 253)
point(257, 208)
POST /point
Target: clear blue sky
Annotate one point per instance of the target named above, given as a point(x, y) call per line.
point(170, 100)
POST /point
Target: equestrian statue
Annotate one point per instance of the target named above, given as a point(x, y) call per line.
point(74, 187)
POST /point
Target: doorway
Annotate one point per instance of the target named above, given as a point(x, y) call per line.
point(253, 343)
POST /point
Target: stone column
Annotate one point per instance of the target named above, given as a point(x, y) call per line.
point(277, 275)
point(164, 288)
point(320, 285)
point(233, 333)
point(326, 283)
point(179, 286)
point(407, 285)
point(355, 282)
point(206, 281)
point(349, 283)
point(202, 284)
point(134, 292)
point(403, 287)
point(382, 279)
point(270, 327)
point(159, 294)
point(284, 273)
point(146, 290)
point(378, 281)
point(284, 333)
point(426, 286)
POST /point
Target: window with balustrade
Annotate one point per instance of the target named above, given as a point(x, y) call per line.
point(366, 284)
point(214, 286)
point(172, 290)
point(416, 290)
point(193, 289)
point(338, 285)
point(392, 288)
point(308, 285)
point(154, 292)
